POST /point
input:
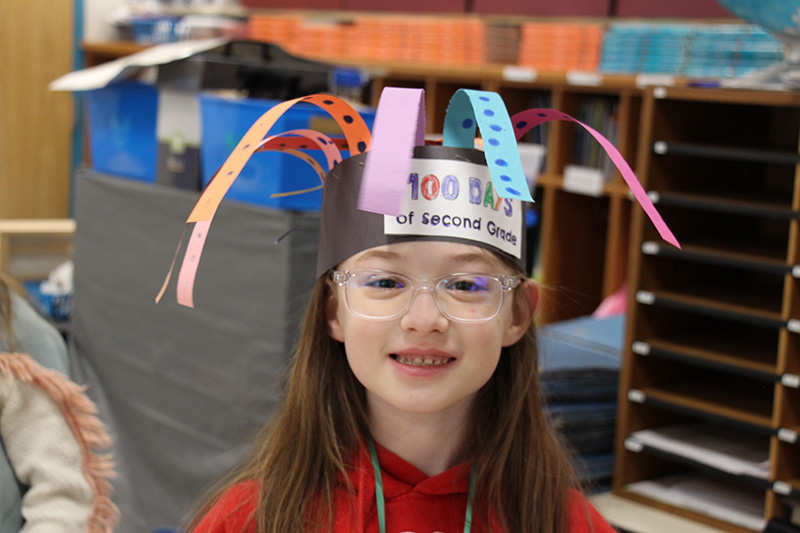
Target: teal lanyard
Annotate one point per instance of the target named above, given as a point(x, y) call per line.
point(376, 467)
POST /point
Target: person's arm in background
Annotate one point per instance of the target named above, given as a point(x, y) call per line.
point(48, 431)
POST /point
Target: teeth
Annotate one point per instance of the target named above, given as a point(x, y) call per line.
point(420, 360)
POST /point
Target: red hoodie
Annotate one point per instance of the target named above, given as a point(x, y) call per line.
point(415, 503)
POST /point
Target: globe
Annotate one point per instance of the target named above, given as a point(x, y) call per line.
point(781, 18)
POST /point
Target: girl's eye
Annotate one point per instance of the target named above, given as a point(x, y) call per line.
point(476, 284)
point(382, 283)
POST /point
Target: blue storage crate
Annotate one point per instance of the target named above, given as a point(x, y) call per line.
point(57, 306)
point(225, 121)
point(122, 129)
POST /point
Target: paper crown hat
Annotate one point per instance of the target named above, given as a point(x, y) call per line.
point(394, 188)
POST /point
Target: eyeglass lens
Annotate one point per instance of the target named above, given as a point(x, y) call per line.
point(384, 294)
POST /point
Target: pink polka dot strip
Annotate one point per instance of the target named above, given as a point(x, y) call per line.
point(399, 126)
point(525, 120)
point(470, 109)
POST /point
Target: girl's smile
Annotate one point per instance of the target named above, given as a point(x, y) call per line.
point(423, 362)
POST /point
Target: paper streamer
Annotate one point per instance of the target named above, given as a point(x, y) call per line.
point(303, 140)
point(470, 109)
point(358, 139)
point(531, 118)
point(399, 126)
point(353, 126)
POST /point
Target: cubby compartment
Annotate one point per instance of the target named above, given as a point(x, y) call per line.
point(727, 126)
point(599, 110)
point(712, 287)
point(747, 184)
point(687, 387)
point(726, 231)
point(569, 289)
point(701, 340)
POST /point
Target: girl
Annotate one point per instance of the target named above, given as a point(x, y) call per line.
point(413, 403)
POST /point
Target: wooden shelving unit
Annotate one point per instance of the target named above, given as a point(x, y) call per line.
point(712, 330)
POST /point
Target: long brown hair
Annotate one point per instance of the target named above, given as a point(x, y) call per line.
point(523, 472)
point(6, 285)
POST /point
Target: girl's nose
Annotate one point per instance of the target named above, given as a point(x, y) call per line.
point(423, 314)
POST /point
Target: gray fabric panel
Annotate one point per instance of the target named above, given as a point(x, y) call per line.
point(183, 390)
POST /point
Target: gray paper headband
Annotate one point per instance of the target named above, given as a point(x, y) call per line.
point(449, 196)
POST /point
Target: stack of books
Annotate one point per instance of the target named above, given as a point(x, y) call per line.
point(560, 46)
point(693, 50)
point(579, 363)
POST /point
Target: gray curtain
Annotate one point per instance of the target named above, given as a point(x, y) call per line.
point(183, 391)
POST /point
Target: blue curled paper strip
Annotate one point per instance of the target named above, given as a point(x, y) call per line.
point(486, 110)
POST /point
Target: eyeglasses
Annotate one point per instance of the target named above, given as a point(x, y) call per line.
point(385, 295)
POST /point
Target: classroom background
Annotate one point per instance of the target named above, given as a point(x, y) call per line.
point(674, 374)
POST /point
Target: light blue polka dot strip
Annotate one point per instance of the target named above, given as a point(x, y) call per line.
point(470, 109)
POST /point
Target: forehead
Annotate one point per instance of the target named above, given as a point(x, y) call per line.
point(426, 254)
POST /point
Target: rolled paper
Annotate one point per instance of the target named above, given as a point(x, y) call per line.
point(399, 126)
point(525, 120)
point(470, 109)
point(303, 140)
point(353, 127)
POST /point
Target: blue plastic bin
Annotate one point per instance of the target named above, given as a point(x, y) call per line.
point(225, 121)
point(122, 129)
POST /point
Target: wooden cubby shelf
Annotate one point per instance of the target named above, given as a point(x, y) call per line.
point(712, 330)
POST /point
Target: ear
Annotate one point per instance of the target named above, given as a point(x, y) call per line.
point(526, 300)
point(335, 329)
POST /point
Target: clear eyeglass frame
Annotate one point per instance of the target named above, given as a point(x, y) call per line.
point(505, 283)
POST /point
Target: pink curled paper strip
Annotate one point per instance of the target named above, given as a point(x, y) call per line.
point(358, 139)
point(399, 126)
point(525, 120)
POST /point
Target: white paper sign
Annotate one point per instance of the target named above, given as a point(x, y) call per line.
point(522, 74)
point(449, 198)
point(583, 180)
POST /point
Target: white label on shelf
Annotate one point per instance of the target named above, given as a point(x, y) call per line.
point(633, 445)
point(660, 147)
point(791, 381)
point(787, 435)
point(796, 271)
point(645, 297)
point(642, 348)
point(636, 396)
point(515, 73)
point(583, 180)
point(793, 325)
point(654, 196)
point(650, 248)
point(644, 80)
point(660, 92)
point(781, 487)
point(582, 77)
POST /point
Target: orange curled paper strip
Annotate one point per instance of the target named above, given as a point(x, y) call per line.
point(358, 139)
point(353, 126)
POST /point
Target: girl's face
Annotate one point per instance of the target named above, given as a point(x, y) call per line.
point(422, 362)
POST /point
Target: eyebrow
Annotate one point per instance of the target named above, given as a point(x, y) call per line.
point(469, 257)
point(378, 254)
